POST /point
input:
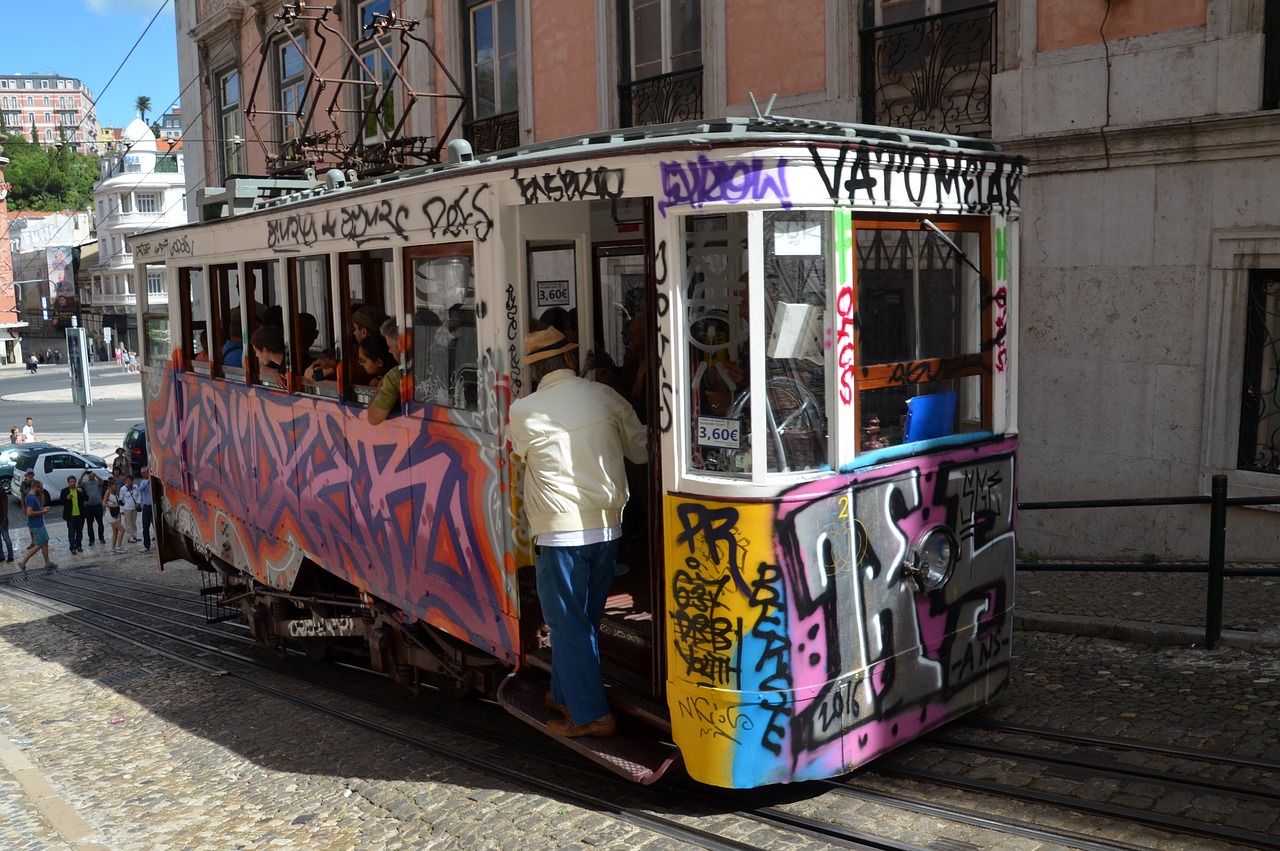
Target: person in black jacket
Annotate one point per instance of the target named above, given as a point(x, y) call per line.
point(74, 511)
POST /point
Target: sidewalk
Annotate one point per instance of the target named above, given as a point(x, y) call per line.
point(1149, 608)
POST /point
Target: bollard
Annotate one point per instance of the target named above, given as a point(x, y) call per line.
point(1217, 560)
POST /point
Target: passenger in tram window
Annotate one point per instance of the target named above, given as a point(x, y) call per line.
point(366, 320)
point(268, 346)
point(375, 359)
point(574, 495)
point(308, 332)
point(203, 343)
point(387, 400)
point(233, 348)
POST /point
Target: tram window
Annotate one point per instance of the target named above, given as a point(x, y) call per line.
point(367, 283)
point(194, 301)
point(158, 346)
point(228, 324)
point(793, 419)
point(796, 247)
point(267, 298)
point(445, 352)
point(922, 350)
point(715, 290)
point(312, 333)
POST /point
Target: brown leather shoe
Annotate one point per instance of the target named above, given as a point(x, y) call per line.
point(550, 703)
point(600, 727)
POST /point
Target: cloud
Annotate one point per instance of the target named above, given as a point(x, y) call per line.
point(114, 7)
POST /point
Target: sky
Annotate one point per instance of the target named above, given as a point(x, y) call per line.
point(88, 40)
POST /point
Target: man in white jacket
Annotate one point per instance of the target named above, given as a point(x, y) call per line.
point(573, 435)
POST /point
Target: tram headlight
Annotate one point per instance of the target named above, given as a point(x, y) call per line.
point(932, 557)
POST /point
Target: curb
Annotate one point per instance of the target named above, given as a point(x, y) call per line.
point(1141, 632)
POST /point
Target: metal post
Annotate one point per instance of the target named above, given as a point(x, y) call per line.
point(1217, 559)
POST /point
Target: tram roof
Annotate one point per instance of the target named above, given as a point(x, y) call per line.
point(246, 194)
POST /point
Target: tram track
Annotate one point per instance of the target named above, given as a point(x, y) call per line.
point(92, 591)
point(87, 605)
point(1098, 770)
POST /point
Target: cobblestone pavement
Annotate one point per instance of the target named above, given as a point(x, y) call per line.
point(174, 759)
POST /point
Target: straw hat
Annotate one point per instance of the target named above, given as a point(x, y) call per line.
point(544, 344)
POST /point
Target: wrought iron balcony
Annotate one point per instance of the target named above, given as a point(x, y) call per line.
point(663, 99)
point(496, 133)
point(932, 73)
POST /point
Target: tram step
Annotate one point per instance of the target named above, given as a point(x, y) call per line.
point(632, 752)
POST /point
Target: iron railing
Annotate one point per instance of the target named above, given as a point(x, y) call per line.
point(1215, 568)
point(933, 73)
point(495, 133)
point(663, 99)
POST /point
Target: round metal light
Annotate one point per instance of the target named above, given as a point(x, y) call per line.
point(933, 557)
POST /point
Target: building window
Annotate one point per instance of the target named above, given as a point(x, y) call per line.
point(377, 103)
point(126, 203)
point(231, 125)
point(147, 202)
point(291, 72)
point(666, 36)
point(1260, 394)
point(662, 71)
point(494, 75)
point(155, 282)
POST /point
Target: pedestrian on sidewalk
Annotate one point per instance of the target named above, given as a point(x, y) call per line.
point(111, 499)
point(36, 510)
point(129, 508)
point(5, 540)
point(33, 363)
point(119, 465)
point(73, 511)
point(93, 491)
point(29, 432)
point(13, 435)
point(144, 500)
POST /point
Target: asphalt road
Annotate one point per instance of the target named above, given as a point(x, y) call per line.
point(46, 398)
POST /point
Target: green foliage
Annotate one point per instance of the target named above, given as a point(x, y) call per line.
point(1150, 558)
point(47, 179)
point(143, 106)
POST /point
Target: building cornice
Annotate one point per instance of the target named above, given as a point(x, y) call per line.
point(1205, 139)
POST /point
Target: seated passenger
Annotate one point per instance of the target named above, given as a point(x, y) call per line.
point(233, 348)
point(268, 346)
point(375, 356)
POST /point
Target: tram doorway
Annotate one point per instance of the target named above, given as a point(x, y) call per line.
point(590, 275)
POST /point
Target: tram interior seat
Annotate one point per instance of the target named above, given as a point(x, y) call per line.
point(929, 416)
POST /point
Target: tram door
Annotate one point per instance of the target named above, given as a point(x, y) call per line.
point(608, 316)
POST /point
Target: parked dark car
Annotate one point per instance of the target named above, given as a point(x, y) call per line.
point(9, 456)
point(135, 447)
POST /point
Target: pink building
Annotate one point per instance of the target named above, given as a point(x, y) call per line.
point(57, 108)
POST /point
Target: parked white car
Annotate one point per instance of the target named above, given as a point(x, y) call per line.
point(52, 469)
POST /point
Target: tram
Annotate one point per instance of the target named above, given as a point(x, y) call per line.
point(814, 320)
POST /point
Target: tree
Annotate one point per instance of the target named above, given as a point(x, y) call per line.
point(143, 106)
point(47, 179)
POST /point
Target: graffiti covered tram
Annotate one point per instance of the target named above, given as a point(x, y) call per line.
point(812, 319)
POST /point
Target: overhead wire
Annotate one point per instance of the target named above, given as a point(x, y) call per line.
point(114, 197)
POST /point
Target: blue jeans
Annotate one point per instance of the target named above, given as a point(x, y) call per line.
point(6, 541)
point(573, 586)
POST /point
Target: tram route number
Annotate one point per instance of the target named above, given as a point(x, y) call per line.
point(719, 432)
point(321, 627)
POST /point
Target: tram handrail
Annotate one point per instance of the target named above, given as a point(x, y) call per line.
point(1215, 568)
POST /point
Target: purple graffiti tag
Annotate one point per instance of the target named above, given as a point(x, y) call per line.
point(704, 181)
